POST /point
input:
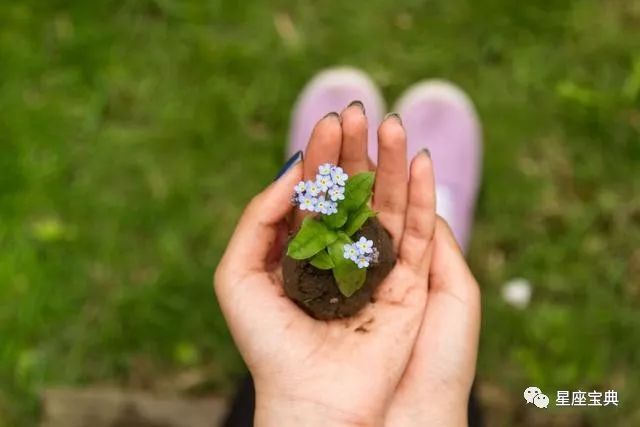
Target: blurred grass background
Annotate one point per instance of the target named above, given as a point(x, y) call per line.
point(133, 132)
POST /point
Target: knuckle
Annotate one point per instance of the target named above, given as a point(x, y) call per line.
point(389, 204)
point(418, 228)
point(415, 229)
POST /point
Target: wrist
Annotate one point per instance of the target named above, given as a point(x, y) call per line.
point(456, 419)
point(285, 411)
point(429, 412)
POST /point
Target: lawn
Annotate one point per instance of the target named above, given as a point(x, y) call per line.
point(133, 132)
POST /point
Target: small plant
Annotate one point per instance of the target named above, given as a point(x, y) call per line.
point(342, 207)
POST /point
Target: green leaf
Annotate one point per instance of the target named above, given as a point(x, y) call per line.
point(357, 219)
point(322, 260)
point(312, 237)
point(357, 191)
point(336, 220)
point(348, 276)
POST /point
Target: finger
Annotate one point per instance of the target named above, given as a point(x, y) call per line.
point(390, 190)
point(257, 230)
point(449, 271)
point(447, 345)
point(353, 155)
point(420, 215)
point(324, 147)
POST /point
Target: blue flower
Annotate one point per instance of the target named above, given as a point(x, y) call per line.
point(350, 252)
point(359, 251)
point(336, 193)
point(312, 188)
point(363, 261)
point(325, 169)
point(322, 205)
point(300, 187)
point(308, 203)
point(338, 176)
point(364, 245)
point(324, 182)
point(322, 194)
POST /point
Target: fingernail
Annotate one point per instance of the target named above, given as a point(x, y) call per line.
point(332, 114)
point(359, 104)
point(427, 152)
point(395, 116)
point(289, 164)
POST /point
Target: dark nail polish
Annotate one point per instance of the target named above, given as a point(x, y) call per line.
point(359, 104)
point(427, 152)
point(332, 114)
point(395, 116)
point(289, 164)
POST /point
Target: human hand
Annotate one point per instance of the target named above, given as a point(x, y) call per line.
point(434, 389)
point(435, 385)
point(340, 372)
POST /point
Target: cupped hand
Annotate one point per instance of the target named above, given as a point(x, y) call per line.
point(434, 388)
point(340, 372)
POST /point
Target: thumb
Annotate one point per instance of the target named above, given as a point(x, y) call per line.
point(259, 226)
point(449, 271)
point(448, 341)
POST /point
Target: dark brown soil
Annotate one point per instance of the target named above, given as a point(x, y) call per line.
point(316, 291)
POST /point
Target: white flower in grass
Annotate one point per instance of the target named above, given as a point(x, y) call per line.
point(517, 293)
point(336, 193)
point(351, 252)
point(312, 188)
point(324, 182)
point(308, 203)
point(363, 261)
point(332, 208)
point(364, 245)
point(338, 176)
point(325, 169)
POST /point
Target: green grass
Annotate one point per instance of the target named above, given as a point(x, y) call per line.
point(133, 132)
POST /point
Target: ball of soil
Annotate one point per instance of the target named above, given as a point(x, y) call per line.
point(316, 291)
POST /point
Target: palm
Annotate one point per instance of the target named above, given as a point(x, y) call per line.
point(351, 365)
point(330, 352)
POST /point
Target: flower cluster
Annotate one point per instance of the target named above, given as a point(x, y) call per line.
point(323, 194)
point(361, 252)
